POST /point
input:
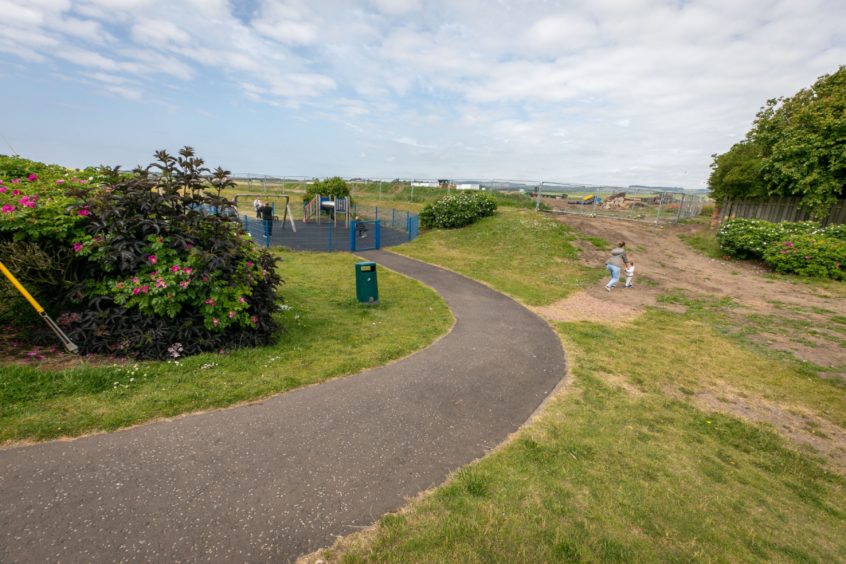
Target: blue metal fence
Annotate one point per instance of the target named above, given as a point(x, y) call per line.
point(373, 229)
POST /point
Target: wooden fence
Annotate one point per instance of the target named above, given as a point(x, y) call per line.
point(779, 209)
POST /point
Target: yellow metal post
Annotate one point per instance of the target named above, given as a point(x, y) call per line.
point(69, 345)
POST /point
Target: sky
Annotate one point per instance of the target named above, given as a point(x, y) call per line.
point(612, 92)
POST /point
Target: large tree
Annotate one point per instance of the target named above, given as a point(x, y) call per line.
point(797, 147)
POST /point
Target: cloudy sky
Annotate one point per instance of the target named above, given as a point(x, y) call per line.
point(606, 91)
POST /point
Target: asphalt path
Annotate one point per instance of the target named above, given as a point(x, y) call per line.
point(273, 480)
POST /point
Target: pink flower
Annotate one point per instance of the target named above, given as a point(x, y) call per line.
point(205, 278)
point(175, 268)
point(249, 264)
point(188, 270)
point(232, 314)
point(152, 259)
point(83, 212)
point(242, 299)
point(16, 192)
point(136, 291)
point(254, 319)
point(215, 321)
point(28, 201)
point(8, 208)
point(184, 284)
point(160, 283)
point(210, 302)
point(16, 181)
point(145, 288)
point(3, 189)
point(77, 247)
point(60, 181)
point(120, 285)
point(32, 177)
point(135, 280)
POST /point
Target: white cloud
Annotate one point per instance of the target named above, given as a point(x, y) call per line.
point(601, 91)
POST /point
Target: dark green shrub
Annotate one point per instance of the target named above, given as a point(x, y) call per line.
point(335, 187)
point(457, 210)
point(143, 265)
point(809, 255)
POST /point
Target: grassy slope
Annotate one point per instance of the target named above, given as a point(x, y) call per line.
point(518, 252)
point(620, 466)
point(329, 334)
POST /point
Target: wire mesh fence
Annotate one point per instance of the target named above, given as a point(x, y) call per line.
point(633, 204)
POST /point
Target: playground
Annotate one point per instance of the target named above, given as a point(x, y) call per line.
point(328, 225)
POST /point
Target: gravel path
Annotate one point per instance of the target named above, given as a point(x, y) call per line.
point(273, 480)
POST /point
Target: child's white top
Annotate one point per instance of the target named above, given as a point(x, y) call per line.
point(629, 270)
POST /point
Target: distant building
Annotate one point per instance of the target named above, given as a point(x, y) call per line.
point(468, 186)
point(424, 184)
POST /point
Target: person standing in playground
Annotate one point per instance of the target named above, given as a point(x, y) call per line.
point(615, 263)
point(361, 227)
point(257, 204)
point(266, 214)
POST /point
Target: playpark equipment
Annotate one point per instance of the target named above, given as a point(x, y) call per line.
point(286, 212)
point(334, 206)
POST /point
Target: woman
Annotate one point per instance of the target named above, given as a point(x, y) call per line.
point(616, 262)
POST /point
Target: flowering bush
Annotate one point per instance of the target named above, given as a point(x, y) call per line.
point(749, 238)
point(134, 265)
point(457, 210)
point(809, 255)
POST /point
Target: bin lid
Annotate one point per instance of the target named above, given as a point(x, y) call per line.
point(365, 263)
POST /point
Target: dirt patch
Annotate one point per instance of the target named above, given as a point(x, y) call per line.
point(800, 426)
point(770, 309)
point(583, 306)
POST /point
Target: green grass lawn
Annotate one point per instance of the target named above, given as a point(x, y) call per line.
point(328, 334)
point(519, 252)
point(623, 464)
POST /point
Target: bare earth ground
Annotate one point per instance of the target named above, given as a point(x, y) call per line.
point(794, 317)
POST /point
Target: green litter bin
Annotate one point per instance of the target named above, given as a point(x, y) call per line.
point(366, 286)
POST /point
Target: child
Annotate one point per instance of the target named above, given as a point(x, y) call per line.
point(629, 275)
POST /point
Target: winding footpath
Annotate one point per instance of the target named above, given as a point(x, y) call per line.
point(270, 481)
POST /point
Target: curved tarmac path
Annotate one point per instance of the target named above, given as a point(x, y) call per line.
point(280, 478)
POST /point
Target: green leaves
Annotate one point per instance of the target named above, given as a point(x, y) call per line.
point(457, 210)
point(796, 147)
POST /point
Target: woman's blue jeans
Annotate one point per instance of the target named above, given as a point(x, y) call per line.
point(615, 274)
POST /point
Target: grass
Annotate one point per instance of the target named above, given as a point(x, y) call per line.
point(618, 469)
point(704, 242)
point(624, 464)
point(328, 334)
point(521, 253)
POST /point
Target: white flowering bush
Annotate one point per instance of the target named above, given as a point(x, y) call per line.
point(749, 238)
point(457, 210)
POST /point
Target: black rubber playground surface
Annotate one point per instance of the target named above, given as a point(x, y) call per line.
point(324, 236)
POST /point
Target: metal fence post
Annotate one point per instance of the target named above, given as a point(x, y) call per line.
point(538, 196)
point(393, 215)
point(266, 234)
point(681, 204)
point(353, 228)
point(378, 236)
point(330, 236)
point(660, 205)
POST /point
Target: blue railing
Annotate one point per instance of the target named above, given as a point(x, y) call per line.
point(373, 229)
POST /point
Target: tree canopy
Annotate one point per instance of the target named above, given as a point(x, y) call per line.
point(796, 147)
